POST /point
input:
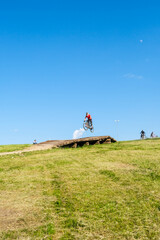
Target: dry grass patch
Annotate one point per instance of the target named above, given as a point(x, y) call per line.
point(117, 166)
point(18, 211)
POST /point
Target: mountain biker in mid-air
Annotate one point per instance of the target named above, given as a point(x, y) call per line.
point(89, 119)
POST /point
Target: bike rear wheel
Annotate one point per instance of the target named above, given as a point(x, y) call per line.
point(92, 129)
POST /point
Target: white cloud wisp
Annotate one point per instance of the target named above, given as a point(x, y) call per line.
point(132, 76)
point(78, 133)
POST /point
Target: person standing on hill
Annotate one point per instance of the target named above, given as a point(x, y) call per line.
point(142, 134)
point(89, 119)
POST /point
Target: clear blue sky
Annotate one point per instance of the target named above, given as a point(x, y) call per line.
point(59, 59)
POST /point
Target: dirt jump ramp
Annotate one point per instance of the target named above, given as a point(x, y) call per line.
point(74, 143)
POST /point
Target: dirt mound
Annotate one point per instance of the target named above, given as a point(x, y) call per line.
point(78, 142)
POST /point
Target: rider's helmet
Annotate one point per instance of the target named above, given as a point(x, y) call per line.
point(87, 113)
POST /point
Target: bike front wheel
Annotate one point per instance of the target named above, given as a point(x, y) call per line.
point(85, 126)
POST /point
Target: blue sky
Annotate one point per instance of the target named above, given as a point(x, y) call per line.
point(59, 59)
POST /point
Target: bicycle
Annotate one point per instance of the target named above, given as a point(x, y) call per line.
point(87, 125)
point(143, 136)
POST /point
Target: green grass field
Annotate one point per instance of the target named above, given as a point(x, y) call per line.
point(97, 192)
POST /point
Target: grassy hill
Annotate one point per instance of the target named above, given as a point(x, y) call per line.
point(95, 192)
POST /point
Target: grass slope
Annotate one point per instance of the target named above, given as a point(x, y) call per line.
point(13, 147)
point(95, 192)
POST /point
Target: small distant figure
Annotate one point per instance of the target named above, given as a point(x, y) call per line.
point(35, 141)
point(153, 135)
point(143, 134)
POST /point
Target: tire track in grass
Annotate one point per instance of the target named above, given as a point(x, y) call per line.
point(65, 210)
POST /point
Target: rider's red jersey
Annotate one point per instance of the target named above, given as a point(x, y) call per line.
point(89, 116)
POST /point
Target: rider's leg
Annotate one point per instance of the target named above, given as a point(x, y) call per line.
point(90, 123)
